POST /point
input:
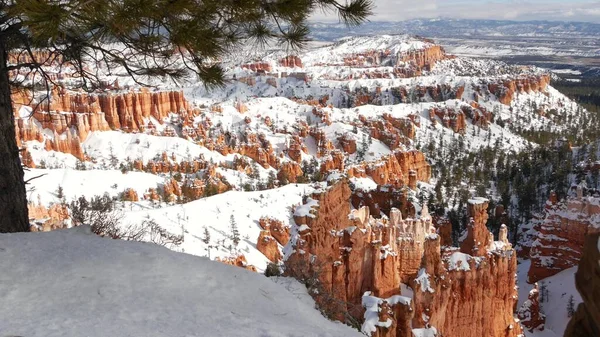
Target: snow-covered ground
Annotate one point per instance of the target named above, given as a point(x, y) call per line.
point(73, 283)
point(560, 288)
point(213, 213)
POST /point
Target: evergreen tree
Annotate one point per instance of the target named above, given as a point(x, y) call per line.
point(60, 194)
point(543, 292)
point(235, 234)
point(206, 240)
point(571, 306)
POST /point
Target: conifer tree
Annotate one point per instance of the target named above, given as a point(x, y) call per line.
point(206, 240)
point(235, 234)
point(571, 306)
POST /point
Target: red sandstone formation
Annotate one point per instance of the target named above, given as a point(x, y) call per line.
point(461, 295)
point(267, 245)
point(65, 143)
point(48, 219)
point(26, 158)
point(395, 169)
point(289, 171)
point(130, 195)
point(479, 238)
point(452, 119)
point(347, 143)
point(382, 200)
point(561, 235)
point(333, 162)
point(295, 149)
point(393, 132)
point(238, 261)
point(529, 313)
point(375, 255)
point(152, 195)
point(259, 149)
point(276, 229)
point(291, 62)
point(258, 67)
point(171, 190)
point(350, 254)
point(406, 64)
point(85, 113)
point(324, 145)
point(586, 321)
point(505, 90)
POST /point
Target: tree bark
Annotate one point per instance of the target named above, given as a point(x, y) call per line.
point(13, 200)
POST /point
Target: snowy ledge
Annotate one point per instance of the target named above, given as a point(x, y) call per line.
point(72, 283)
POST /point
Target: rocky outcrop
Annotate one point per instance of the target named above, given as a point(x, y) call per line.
point(258, 67)
point(479, 238)
point(586, 321)
point(65, 143)
point(238, 261)
point(259, 149)
point(409, 63)
point(423, 59)
point(354, 259)
point(347, 143)
point(395, 169)
point(530, 314)
point(267, 245)
point(462, 295)
point(130, 195)
point(71, 116)
point(450, 118)
point(291, 62)
point(505, 90)
point(171, 190)
point(561, 234)
point(27, 159)
point(333, 162)
point(353, 252)
point(45, 219)
point(289, 172)
point(276, 229)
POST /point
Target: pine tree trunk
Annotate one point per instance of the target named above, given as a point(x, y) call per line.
point(13, 200)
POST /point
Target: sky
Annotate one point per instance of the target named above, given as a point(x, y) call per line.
point(519, 10)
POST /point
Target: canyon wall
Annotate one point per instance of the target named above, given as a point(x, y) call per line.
point(392, 274)
point(586, 321)
point(561, 234)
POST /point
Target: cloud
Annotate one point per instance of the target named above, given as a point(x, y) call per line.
point(396, 10)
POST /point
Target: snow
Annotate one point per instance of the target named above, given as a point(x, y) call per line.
point(425, 332)
point(73, 283)
point(478, 201)
point(363, 184)
point(305, 210)
point(459, 261)
point(559, 287)
point(371, 305)
point(566, 71)
point(142, 146)
point(86, 183)
point(213, 212)
point(423, 280)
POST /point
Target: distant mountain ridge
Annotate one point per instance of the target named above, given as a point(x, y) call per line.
point(459, 27)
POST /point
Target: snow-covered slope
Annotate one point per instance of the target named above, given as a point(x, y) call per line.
point(213, 213)
point(559, 288)
point(73, 283)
